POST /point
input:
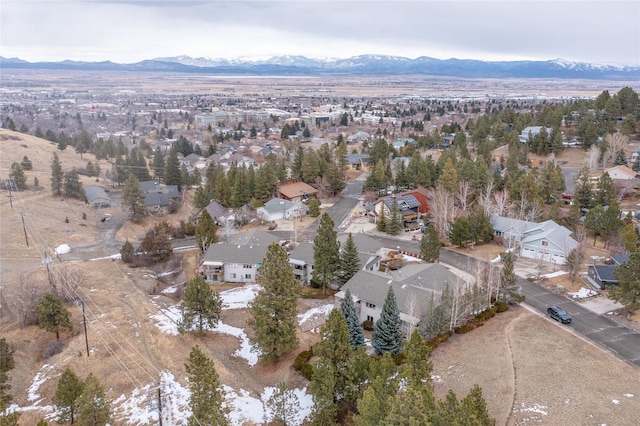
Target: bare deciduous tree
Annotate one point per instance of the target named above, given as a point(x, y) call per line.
point(464, 195)
point(443, 212)
point(591, 159)
point(616, 142)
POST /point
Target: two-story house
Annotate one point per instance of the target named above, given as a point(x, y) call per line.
point(413, 286)
point(238, 260)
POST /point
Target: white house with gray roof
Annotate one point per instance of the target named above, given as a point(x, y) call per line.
point(237, 261)
point(413, 286)
point(546, 241)
point(277, 208)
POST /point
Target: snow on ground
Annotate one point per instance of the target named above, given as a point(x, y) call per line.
point(410, 259)
point(62, 249)
point(170, 290)
point(140, 408)
point(583, 293)
point(313, 315)
point(168, 318)
point(239, 298)
point(615, 401)
point(38, 380)
point(554, 274)
point(628, 395)
point(535, 408)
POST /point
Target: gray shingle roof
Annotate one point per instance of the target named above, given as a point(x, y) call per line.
point(364, 243)
point(254, 237)
point(303, 252)
point(94, 192)
point(276, 205)
point(231, 253)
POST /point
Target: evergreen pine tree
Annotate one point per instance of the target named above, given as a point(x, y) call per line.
point(66, 398)
point(417, 366)
point(474, 407)
point(18, 178)
point(509, 291)
point(322, 386)
point(200, 198)
point(460, 232)
point(348, 308)
point(430, 244)
point(274, 310)
point(206, 231)
point(57, 175)
point(335, 353)
point(394, 220)
point(283, 405)
point(133, 196)
point(381, 221)
point(93, 407)
point(200, 305)
point(72, 185)
point(314, 207)
point(127, 252)
point(171, 172)
point(387, 335)
point(375, 403)
point(52, 315)
point(207, 398)
point(349, 261)
point(158, 164)
point(480, 226)
point(326, 255)
point(414, 406)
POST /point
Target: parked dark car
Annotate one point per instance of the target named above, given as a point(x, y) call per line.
point(559, 315)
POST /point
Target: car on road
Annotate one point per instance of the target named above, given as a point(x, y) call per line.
point(105, 218)
point(559, 314)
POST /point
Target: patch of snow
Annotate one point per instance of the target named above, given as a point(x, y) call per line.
point(314, 313)
point(497, 259)
point(62, 249)
point(165, 274)
point(170, 290)
point(408, 259)
point(535, 408)
point(167, 321)
point(615, 401)
point(583, 293)
point(437, 379)
point(38, 380)
point(628, 395)
point(554, 274)
point(239, 298)
point(245, 351)
point(245, 409)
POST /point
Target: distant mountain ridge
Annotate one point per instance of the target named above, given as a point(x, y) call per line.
point(358, 65)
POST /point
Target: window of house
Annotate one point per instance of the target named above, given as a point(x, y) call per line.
point(370, 305)
point(369, 318)
point(498, 233)
point(245, 266)
point(247, 276)
point(545, 243)
point(233, 265)
point(233, 275)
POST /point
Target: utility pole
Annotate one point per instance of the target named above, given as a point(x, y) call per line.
point(160, 403)
point(10, 195)
point(84, 322)
point(24, 229)
point(47, 260)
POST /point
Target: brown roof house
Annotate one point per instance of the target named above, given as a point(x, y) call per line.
point(296, 192)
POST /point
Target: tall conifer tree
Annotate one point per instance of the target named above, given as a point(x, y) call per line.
point(387, 335)
point(356, 335)
point(274, 310)
point(325, 252)
point(207, 398)
point(349, 261)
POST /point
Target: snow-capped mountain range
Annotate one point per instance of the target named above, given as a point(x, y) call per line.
point(357, 65)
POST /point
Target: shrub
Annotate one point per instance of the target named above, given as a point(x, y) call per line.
point(501, 307)
point(465, 328)
point(398, 359)
point(367, 325)
point(54, 348)
point(301, 363)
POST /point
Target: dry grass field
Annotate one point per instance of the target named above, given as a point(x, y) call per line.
point(531, 370)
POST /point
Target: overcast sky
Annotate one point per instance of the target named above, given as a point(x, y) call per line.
point(606, 32)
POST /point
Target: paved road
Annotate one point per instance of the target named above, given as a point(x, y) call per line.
point(593, 327)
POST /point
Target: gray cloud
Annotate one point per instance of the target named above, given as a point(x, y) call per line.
point(128, 31)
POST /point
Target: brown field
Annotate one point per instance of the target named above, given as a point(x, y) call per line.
point(525, 364)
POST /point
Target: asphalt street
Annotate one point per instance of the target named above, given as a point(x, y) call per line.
point(596, 328)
